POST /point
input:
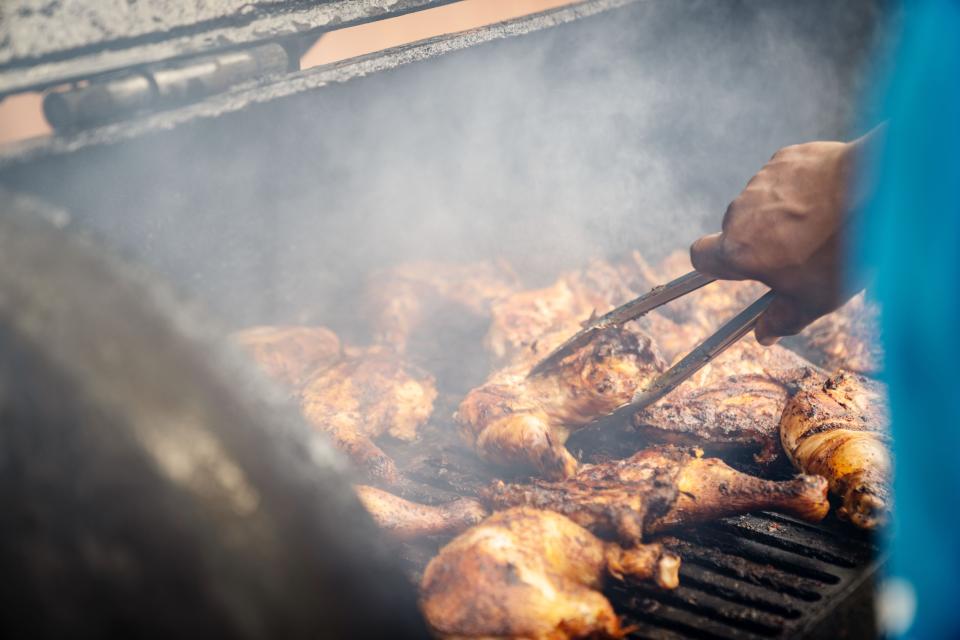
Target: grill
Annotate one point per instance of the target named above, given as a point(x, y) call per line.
point(256, 191)
point(761, 576)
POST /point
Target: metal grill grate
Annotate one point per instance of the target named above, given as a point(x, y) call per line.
point(756, 576)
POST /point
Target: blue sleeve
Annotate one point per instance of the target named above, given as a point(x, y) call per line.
point(910, 238)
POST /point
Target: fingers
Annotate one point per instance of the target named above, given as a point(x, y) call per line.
point(784, 317)
point(707, 256)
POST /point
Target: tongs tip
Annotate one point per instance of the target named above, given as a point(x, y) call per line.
point(557, 355)
point(624, 313)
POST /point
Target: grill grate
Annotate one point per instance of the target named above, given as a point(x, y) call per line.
point(752, 577)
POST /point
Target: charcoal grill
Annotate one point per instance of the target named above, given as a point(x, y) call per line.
point(270, 193)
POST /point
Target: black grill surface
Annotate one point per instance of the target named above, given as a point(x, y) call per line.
point(758, 576)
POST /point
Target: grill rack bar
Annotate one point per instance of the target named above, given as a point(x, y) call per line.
point(755, 576)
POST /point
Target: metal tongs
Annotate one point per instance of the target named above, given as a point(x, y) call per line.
point(667, 381)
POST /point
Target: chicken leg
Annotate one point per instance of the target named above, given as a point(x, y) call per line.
point(372, 392)
point(516, 421)
point(525, 573)
point(406, 520)
point(838, 429)
point(659, 489)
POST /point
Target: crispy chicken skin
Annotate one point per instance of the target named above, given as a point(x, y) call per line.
point(659, 489)
point(290, 354)
point(406, 297)
point(838, 429)
point(525, 573)
point(406, 520)
point(370, 393)
point(733, 403)
point(516, 421)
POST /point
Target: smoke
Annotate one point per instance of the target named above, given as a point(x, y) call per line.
point(630, 130)
point(627, 130)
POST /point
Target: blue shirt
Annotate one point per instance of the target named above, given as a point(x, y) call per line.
point(910, 238)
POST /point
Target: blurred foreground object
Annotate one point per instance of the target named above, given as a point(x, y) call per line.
point(150, 487)
point(911, 239)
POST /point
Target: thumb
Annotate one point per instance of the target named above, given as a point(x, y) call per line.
point(707, 256)
point(784, 317)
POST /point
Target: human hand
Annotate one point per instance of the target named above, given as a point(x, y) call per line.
point(785, 229)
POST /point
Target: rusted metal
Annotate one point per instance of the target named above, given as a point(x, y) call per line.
point(43, 43)
point(270, 89)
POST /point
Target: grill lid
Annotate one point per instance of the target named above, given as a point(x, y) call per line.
point(49, 43)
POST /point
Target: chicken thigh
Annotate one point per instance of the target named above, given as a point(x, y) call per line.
point(525, 573)
point(372, 392)
point(838, 429)
point(516, 421)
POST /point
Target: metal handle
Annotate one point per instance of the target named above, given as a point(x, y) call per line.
point(656, 297)
point(739, 326)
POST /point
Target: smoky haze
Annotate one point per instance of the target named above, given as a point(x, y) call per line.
point(592, 139)
point(632, 129)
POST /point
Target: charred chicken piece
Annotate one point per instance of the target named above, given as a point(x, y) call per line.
point(660, 489)
point(525, 573)
point(406, 520)
point(523, 323)
point(732, 404)
point(838, 429)
point(414, 295)
point(290, 354)
point(523, 422)
point(848, 338)
point(370, 393)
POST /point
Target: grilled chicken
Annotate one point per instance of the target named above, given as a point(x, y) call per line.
point(523, 422)
point(415, 295)
point(405, 520)
point(838, 429)
point(521, 322)
point(290, 354)
point(848, 338)
point(733, 403)
point(660, 489)
point(370, 393)
point(525, 573)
